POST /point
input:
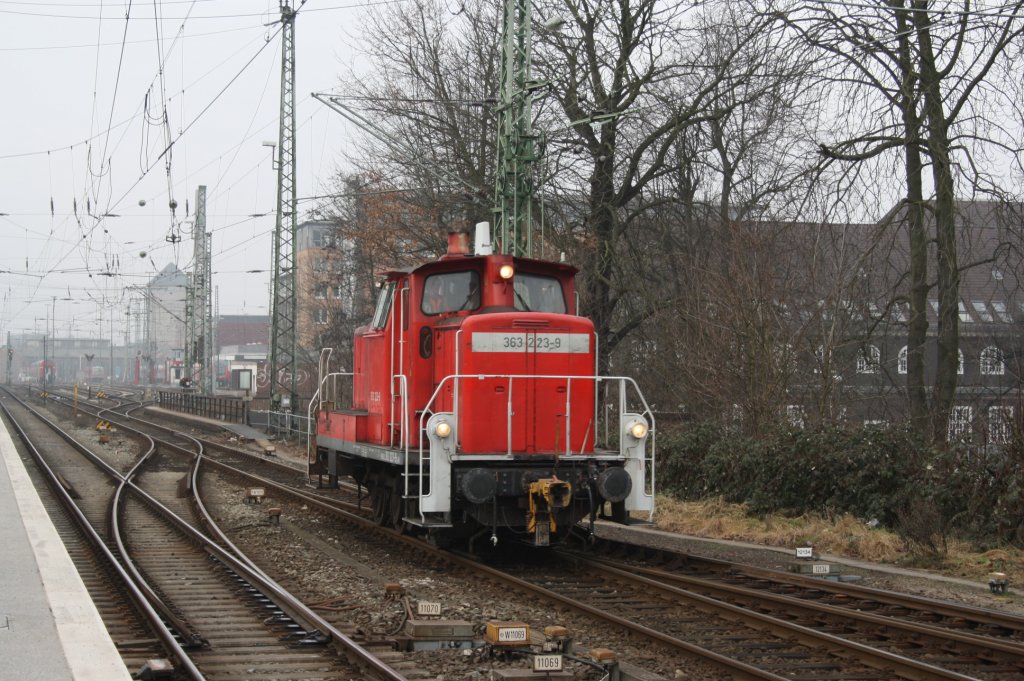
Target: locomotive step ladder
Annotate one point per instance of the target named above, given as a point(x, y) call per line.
point(432, 520)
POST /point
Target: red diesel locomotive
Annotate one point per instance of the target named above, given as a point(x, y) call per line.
point(474, 406)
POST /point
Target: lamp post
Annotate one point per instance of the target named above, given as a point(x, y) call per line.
point(110, 379)
point(127, 341)
point(35, 332)
point(52, 328)
point(148, 364)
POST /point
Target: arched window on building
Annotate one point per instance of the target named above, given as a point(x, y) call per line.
point(868, 359)
point(901, 361)
point(992, 362)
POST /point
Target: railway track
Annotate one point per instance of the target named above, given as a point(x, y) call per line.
point(675, 567)
point(133, 635)
point(811, 636)
point(749, 623)
point(220, 617)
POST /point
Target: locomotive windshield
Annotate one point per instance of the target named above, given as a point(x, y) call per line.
point(538, 293)
point(451, 292)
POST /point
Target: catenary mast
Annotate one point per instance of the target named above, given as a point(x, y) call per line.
point(517, 148)
point(283, 348)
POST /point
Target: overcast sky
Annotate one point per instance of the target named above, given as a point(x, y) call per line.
point(84, 93)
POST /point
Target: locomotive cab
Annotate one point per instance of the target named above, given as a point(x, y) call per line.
point(474, 405)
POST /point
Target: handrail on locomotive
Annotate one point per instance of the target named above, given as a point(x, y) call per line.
point(330, 390)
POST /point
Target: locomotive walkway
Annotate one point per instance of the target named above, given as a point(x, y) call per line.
point(49, 627)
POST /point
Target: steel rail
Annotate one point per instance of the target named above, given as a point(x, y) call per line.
point(294, 607)
point(906, 667)
point(984, 642)
point(912, 602)
point(985, 616)
point(252, 573)
point(135, 590)
point(911, 669)
point(882, 659)
point(740, 669)
point(183, 629)
point(117, 504)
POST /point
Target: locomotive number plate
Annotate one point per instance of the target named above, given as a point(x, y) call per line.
point(428, 609)
point(520, 341)
point(547, 663)
point(820, 569)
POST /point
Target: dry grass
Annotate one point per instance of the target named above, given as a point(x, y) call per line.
point(844, 536)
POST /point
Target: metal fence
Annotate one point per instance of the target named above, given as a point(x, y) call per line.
point(219, 408)
point(281, 424)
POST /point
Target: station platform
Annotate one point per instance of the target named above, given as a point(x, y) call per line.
point(242, 431)
point(49, 627)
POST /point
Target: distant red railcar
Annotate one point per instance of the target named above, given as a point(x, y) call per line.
point(474, 407)
point(45, 370)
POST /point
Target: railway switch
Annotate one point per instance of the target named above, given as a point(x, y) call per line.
point(998, 583)
point(507, 633)
point(154, 670)
point(809, 563)
point(427, 631)
point(557, 640)
point(254, 495)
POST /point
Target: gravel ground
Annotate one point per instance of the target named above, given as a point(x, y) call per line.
point(876, 575)
point(322, 560)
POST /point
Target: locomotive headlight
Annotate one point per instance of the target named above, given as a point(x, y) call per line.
point(443, 429)
point(506, 272)
point(638, 430)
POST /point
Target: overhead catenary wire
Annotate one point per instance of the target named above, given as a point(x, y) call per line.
point(81, 235)
point(83, 242)
point(240, 15)
point(113, 205)
point(117, 83)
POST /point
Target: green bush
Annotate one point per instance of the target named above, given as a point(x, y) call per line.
point(889, 475)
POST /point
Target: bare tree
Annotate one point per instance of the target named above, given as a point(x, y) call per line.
point(430, 92)
point(920, 70)
point(639, 81)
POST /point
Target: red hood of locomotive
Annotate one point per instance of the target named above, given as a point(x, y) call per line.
point(548, 409)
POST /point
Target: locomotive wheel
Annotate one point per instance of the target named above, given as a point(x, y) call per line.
point(394, 505)
point(379, 502)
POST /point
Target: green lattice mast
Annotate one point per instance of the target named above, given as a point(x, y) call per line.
point(517, 147)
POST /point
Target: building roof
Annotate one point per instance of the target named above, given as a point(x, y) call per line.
point(242, 329)
point(864, 269)
point(170, 276)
